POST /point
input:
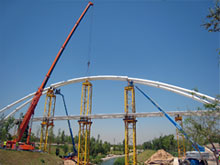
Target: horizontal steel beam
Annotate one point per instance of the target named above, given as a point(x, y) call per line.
point(122, 115)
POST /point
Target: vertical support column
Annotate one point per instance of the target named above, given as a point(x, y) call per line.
point(47, 123)
point(180, 139)
point(85, 124)
point(130, 125)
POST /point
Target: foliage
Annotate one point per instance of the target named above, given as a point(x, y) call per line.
point(115, 152)
point(119, 161)
point(63, 137)
point(97, 159)
point(34, 138)
point(167, 142)
point(51, 135)
point(57, 151)
point(5, 126)
point(65, 148)
point(98, 147)
point(18, 123)
point(205, 128)
point(213, 18)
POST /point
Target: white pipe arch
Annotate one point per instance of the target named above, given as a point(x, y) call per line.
point(181, 91)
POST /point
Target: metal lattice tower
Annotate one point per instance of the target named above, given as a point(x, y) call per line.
point(130, 125)
point(85, 124)
point(180, 139)
point(47, 123)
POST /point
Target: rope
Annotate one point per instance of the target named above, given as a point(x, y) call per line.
point(90, 43)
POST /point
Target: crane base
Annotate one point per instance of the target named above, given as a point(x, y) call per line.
point(20, 146)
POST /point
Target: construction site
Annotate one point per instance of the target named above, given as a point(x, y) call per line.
point(135, 119)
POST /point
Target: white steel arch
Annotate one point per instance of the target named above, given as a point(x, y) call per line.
point(179, 90)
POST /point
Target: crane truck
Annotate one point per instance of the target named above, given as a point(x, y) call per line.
point(197, 157)
point(36, 98)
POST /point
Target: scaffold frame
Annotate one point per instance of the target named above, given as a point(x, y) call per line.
point(180, 139)
point(130, 125)
point(85, 124)
point(47, 123)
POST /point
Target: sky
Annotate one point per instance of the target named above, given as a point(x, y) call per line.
point(160, 40)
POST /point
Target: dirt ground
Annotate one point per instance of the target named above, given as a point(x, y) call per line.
point(160, 157)
point(69, 162)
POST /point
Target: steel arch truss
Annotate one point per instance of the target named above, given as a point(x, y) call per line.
point(205, 99)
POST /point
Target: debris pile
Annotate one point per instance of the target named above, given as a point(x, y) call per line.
point(69, 162)
point(160, 157)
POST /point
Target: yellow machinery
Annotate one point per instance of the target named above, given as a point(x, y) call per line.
point(130, 125)
point(180, 139)
point(85, 124)
point(47, 123)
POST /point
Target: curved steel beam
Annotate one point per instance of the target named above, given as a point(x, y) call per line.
point(20, 100)
point(179, 90)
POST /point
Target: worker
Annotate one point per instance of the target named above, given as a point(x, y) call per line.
point(219, 157)
point(57, 151)
point(17, 145)
point(4, 144)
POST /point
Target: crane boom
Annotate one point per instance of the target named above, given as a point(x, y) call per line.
point(196, 146)
point(38, 94)
point(68, 121)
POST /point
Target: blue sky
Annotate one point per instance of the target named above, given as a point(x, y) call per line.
point(160, 40)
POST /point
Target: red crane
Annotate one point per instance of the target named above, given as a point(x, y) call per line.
point(38, 94)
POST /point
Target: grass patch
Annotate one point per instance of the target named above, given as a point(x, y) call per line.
point(60, 146)
point(142, 157)
point(9, 157)
point(116, 152)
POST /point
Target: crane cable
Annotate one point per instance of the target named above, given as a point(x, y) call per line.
point(90, 43)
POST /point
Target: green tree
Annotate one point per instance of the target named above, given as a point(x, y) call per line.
point(25, 134)
point(205, 128)
point(119, 161)
point(106, 147)
point(167, 142)
point(38, 132)
point(5, 126)
point(147, 145)
point(213, 18)
point(62, 137)
point(57, 151)
point(58, 138)
point(65, 148)
point(51, 135)
point(123, 145)
point(33, 138)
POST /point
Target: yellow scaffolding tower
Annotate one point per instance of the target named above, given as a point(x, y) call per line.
point(85, 124)
point(47, 123)
point(130, 125)
point(180, 139)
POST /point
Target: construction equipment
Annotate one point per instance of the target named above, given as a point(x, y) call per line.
point(71, 155)
point(47, 123)
point(180, 138)
point(85, 124)
point(197, 157)
point(130, 125)
point(36, 98)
